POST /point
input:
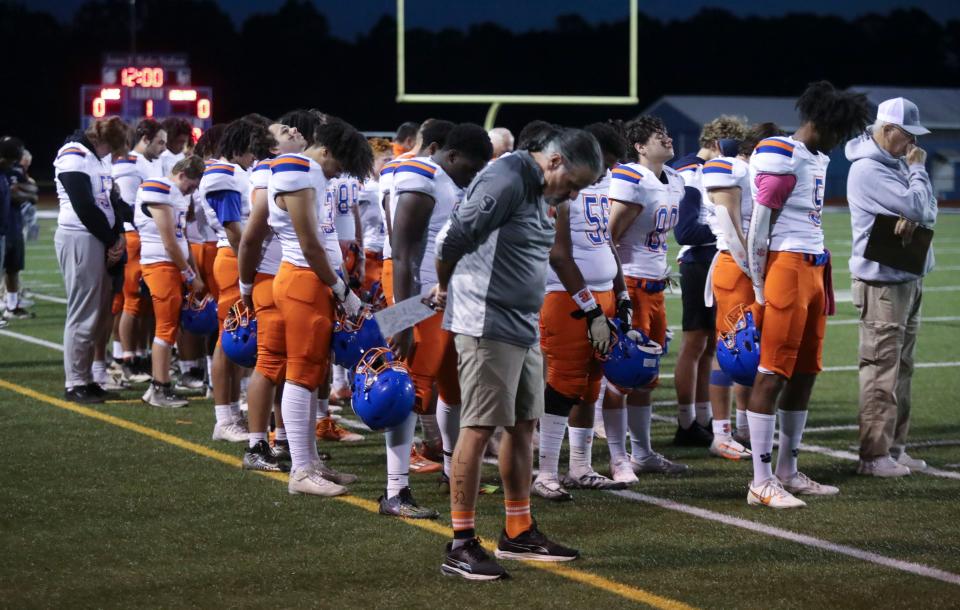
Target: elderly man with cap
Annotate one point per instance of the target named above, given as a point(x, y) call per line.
point(888, 177)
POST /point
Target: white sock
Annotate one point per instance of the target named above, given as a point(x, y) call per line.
point(552, 429)
point(615, 423)
point(742, 424)
point(431, 429)
point(322, 406)
point(581, 450)
point(99, 371)
point(187, 365)
point(128, 355)
point(448, 418)
point(210, 371)
point(300, 427)
point(761, 443)
point(721, 427)
point(704, 413)
point(13, 299)
point(638, 422)
point(339, 377)
point(244, 383)
point(235, 409)
point(686, 415)
point(117, 350)
point(256, 437)
point(224, 414)
point(280, 434)
point(398, 440)
point(141, 353)
point(791, 431)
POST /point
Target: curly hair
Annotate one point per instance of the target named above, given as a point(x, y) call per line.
point(640, 129)
point(209, 143)
point(610, 138)
point(176, 127)
point(724, 127)
point(757, 132)
point(192, 166)
point(347, 145)
point(305, 121)
point(471, 140)
point(843, 114)
point(535, 134)
point(238, 138)
point(380, 146)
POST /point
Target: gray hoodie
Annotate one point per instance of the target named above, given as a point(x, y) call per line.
point(879, 183)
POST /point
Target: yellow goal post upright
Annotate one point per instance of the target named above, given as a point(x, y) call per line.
point(497, 100)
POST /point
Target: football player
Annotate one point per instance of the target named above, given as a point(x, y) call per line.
point(129, 171)
point(427, 189)
point(644, 199)
point(371, 217)
point(582, 282)
point(790, 271)
point(160, 218)
point(179, 134)
point(307, 289)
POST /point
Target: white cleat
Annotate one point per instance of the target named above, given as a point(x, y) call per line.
point(621, 471)
point(163, 397)
point(801, 484)
point(906, 460)
point(884, 467)
point(771, 493)
point(550, 488)
point(725, 447)
point(232, 432)
point(590, 479)
point(310, 480)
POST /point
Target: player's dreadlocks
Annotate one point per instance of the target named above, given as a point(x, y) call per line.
point(843, 114)
point(347, 145)
point(304, 121)
point(238, 138)
point(209, 143)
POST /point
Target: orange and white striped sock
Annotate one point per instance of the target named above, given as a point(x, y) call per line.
point(518, 516)
point(463, 526)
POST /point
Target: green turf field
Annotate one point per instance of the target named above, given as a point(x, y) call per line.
point(141, 509)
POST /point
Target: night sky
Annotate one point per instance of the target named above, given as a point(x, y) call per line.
point(347, 19)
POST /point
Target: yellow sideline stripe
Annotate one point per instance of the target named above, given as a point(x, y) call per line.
point(599, 582)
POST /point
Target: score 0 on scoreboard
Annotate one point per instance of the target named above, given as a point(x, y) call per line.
point(140, 86)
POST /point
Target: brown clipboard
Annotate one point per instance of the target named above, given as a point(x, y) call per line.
point(886, 248)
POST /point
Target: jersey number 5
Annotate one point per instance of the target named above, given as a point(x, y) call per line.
point(596, 210)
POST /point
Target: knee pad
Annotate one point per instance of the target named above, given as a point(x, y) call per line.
point(556, 403)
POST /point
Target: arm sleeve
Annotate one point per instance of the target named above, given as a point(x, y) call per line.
point(689, 230)
point(488, 205)
point(226, 204)
point(77, 185)
point(773, 189)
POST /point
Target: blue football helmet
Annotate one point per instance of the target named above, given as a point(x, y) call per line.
point(353, 337)
point(239, 339)
point(631, 363)
point(383, 394)
point(738, 349)
point(199, 316)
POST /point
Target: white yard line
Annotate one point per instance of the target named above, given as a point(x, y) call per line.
point(853, 457)
point(48, 298)
point(29, 339)
point(842, 428)
point(855, 321)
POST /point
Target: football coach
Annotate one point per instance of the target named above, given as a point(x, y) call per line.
point(493, 255)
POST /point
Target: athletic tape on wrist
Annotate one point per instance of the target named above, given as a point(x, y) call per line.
point(584, 300)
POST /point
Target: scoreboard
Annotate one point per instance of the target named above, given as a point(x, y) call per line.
point(147, 85)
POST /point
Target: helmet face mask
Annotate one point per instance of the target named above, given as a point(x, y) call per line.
point(353, 337)
point(239, 340)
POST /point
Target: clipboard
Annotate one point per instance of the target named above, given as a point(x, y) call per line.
point(886, 248)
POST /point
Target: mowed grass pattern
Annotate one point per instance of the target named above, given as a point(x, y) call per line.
point(92, 515)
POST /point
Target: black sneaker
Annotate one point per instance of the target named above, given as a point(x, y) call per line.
point(694, 436)
point(403, 505)
point(281, 450)
point(470, 561)
point(260, 457)
point(97, 390)
point(81, 394)
point(533, 545)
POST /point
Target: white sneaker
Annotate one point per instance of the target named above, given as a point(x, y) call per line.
point(772, 494)
point(163, 397)
point(232, 432)
point(884, 467)
point(724, 446)
point(622, 472)
point(549, 487)
point(655, 463)
point(112, 384)
point(340, 478)
point(801, 484)
point(906, 460)
point(309, 480)
point(590, 479)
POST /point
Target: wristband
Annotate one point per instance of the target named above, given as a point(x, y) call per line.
point(584, 300)
point(245, 288)
point(623, 296)
point(188, 275)
point(339, 289)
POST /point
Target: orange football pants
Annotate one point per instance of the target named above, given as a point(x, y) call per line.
point(271, 338)
point(132, 301)
point(307, 306)
point(433, 360)
point(373, 268)
point(649, 312)
point(386, 280)
point(166, 292)
point(794, 320)
point(573, 369)
point(204, 256)
point(731, 290)
point(226, 273)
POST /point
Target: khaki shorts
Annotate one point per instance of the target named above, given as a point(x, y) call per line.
point(501, 384)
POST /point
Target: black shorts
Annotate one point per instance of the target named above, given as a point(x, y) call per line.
point(696, 315)
point(15, 255)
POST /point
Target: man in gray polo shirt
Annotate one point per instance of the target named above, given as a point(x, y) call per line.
point(888, 177)
point(493, 255)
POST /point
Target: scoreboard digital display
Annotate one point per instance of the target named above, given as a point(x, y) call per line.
point(147, 86)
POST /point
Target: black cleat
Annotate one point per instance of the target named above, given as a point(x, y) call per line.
point(532, 545)
point(694, 436)
point(281, 449)
point(260, 457)
point(97, 390)
point(403, 505)
point(83, 395)
point(472, 562)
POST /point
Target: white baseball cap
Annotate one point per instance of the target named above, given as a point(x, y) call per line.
point(902, 112)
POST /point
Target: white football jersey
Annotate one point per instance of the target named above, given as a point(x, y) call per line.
point(198, 230)
point(270, 254)
point(643, 247)
point(589, 215)
point(422, 175)
point(75, 157)
point(728, 172)
point(371, 216)
point(294, 173)
point(223, 176)
point(129, 172)
point(385, 186)
point(159, 191)
point(168, 160)
point(798, 228)
point(342, 192)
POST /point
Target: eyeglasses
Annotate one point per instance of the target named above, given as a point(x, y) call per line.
point(909, 135)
